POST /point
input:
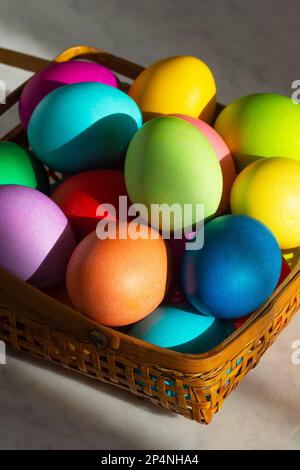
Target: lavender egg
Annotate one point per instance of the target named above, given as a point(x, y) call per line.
point(36, 240)
point(56, 75)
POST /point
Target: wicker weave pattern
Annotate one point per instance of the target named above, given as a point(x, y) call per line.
point(196, 396)
point(194, 386)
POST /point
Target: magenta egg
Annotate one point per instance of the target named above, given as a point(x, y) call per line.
point(56, 75)
point(36, 240)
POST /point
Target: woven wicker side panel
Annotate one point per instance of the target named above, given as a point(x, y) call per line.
point(195, 396)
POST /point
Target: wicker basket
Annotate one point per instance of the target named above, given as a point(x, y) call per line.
point(194, 386)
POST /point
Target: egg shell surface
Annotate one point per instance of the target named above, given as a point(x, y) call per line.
point(180, 328)
point(83, 126)
point(19, 166)
point(118, 281)
point(269, 190)
point(285, 271)
point(181, 84)
point(56, 75)
point(81, 197)
point(36, 238)
point(237, 269)
point(170, 162)
point(223, 154)
point(261, 125)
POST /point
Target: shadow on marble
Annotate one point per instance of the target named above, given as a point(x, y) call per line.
point(80, 379)
point(75, 422)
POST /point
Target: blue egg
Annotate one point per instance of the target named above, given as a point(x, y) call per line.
point(180, 328)
point(237, 269)
point(83, 126)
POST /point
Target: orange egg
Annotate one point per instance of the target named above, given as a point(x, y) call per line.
point(118, 281)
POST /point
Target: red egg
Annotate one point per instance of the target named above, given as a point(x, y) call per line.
point(285, 271)
point(177, 246)
point(81, 195)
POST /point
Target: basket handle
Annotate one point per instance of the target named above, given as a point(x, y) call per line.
point(35, 64)
point(21, 60)
point(113, 62)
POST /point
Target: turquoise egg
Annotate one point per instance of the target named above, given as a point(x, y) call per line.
point(181, 328)
point(83, 126)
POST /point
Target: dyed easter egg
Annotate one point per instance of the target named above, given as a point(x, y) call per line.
point(170, 162)
point(180, 328)
point(260, 126)
point(56, 75)
point(181, 84)
point(237, 269)
point(83, 126)
point(36, 238)
point(269, 190)
point(285, 271)
point(19, 166)
point(238, 322)
point(119, 281)
point(177, 246)
point(82, 198)
point(223, 154)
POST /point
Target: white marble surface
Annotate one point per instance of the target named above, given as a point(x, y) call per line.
point(250, 46)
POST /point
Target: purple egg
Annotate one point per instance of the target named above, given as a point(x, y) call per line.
point(36, 240)
point(56, 75)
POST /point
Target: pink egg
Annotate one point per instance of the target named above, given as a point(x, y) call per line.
point(36, 238)
point(223, 154)
point(56, 75)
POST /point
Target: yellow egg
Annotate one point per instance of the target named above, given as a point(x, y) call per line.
point(269, 190)
point(180, 85)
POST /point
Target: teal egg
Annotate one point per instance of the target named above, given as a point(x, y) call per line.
point(83, 126)
point(182, 329)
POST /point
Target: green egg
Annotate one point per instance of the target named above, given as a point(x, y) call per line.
point(170, 162)
point(19, 166)
point(260, 125)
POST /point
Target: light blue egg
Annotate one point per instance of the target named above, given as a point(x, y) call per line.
point(83, 126)
point(181, 328)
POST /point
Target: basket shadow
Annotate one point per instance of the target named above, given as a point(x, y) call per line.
point(117, 392)
point(53, 420)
